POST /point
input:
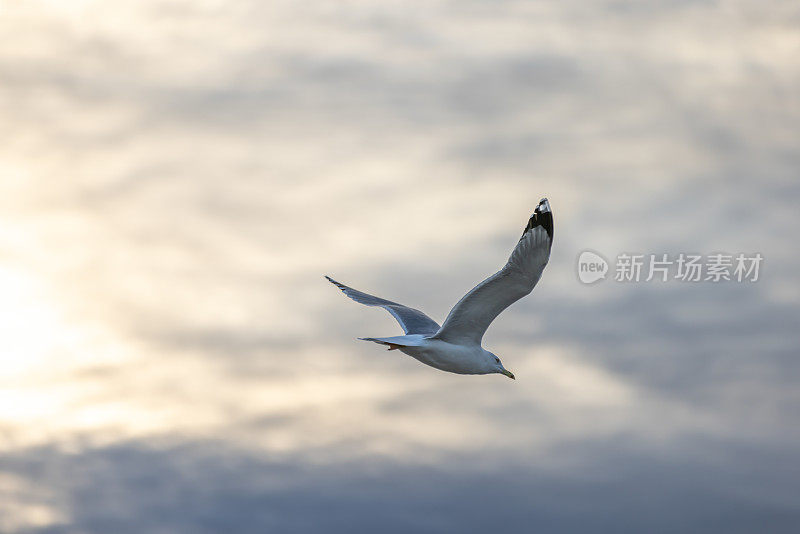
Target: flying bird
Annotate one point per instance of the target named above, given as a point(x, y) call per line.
point(456, 345)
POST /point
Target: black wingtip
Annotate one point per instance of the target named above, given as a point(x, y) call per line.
point(542, 216)
point(341, 286)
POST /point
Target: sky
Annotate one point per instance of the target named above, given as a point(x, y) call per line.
point(176, 177)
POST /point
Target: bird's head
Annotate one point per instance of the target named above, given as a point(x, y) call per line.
point(496, 366)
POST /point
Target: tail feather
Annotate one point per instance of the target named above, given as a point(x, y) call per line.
point(395, 342)
point(392, 346)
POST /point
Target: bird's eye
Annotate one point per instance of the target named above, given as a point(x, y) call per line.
point(496, 359)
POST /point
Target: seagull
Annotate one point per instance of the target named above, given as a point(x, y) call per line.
point(455, 346)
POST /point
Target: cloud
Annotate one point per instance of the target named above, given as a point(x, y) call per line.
point(208, 487)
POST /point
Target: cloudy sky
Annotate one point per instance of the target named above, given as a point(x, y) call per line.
point(177, 176)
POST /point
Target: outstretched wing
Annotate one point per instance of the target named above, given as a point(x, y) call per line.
point(469, 319)
point(413, 321)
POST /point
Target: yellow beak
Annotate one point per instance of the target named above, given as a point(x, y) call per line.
point(508, 373)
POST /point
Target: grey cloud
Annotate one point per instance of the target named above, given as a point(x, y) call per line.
point(208, 487)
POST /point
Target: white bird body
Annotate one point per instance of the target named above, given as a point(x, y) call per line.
point(455, 347)
point(467, 359)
